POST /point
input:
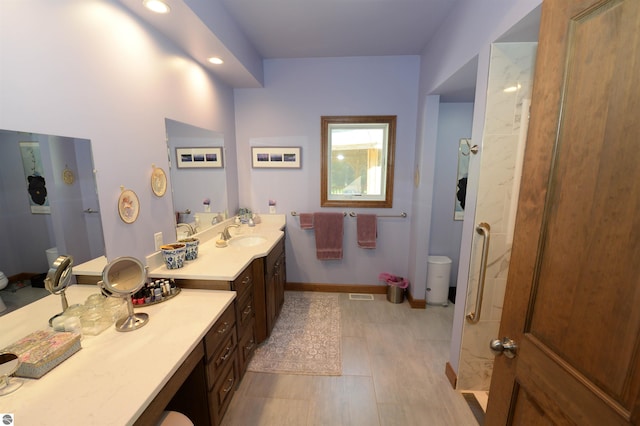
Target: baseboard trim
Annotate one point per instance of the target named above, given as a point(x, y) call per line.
point(351, 288)
point(416, 303)
point(451, 375)
point(22, 276)
point(336, 288)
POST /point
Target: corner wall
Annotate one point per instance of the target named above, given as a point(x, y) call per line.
point(286, 112)
point(92, 70)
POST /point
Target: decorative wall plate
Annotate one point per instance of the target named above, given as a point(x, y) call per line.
point(158, 181)
point(128, 206)
point(68, 176)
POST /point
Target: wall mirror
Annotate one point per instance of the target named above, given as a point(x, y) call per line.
point(465, 150)
point(63, 216)
point(193, 187)
point(357, 161)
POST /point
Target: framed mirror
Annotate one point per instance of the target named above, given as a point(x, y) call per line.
point(357, 161)
point(199, 194)
point(70, 223)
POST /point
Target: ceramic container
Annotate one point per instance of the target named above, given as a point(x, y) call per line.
point(192, 247)
point(174, 255)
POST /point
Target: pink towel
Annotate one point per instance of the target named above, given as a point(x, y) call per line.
point(329, 230)
point(306, 220)
point(367, 233)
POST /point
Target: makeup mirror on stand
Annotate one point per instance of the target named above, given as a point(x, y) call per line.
point(57, 280)
point(9, 363)
point(122, 278)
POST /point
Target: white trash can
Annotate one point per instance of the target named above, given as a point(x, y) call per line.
point(438, 272)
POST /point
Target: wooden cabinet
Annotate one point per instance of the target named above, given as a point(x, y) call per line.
point(275, 279)
point(221, 363)
point(206, 392)
point(231, 342)
point(245, 316)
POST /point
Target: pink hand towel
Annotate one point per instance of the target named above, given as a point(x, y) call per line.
point(367, 232)
point(306, 220)
point(329, 231)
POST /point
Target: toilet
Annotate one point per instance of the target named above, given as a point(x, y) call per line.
point(3, 283)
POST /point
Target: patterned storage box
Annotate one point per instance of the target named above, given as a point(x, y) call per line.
point(42, 351)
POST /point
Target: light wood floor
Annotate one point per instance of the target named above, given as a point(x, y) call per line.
point(393, 360)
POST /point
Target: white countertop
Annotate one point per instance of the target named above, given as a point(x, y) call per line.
point(213, 263)
point(91, 267)
point(225, 264)
point(115, 375)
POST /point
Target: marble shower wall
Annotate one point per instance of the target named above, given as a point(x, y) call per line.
point(510, 80)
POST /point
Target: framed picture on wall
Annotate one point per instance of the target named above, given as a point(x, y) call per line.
point(201, 157)
point(276, 157)
point(34, 176)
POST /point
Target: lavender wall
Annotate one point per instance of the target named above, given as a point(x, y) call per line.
point(454, 123)
point(464, 34)
point(286, 112)
point(90, 69)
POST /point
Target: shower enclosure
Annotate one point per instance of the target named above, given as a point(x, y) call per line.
point(506, 119)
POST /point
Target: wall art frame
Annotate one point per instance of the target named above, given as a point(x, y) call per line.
point(34, 176)
point(270, 157)
point(199, 157)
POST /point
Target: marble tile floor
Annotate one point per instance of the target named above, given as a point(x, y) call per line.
point(393, 360)
point(15, 297)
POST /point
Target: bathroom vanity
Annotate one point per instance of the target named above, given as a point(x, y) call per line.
point(251, 268)
point(256, 268)
point(253, 264)
point(130, 378)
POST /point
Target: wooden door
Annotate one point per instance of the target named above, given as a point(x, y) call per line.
point(572, 303)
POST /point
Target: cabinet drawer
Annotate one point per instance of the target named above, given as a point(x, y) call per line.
point(246, 346)
point(220, 395)
point(244, 282)
point(221, 358)
point(245, 312)
point(220, 331)
point(273, 256)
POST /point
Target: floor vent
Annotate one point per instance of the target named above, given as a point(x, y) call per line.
point(475, 407)
point(360, 296)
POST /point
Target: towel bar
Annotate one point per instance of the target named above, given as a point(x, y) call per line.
point(354, 214)
point(295, 213)
point(403, 214)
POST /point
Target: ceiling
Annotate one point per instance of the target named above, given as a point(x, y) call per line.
point(244, 32)
point(329, 28)
point(294, 29)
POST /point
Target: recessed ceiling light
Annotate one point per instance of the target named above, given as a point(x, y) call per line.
point(156, 6)
point(215, 60)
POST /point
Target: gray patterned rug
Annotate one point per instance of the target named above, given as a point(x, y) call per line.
point(305, 339)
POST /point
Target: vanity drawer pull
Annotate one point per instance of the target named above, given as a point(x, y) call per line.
point(224, 357)
point(250, 346)
point(248, 309)
point(246, 280)
point(224, 328)
point(227, 389)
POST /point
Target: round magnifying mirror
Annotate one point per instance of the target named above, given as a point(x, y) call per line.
point(9, 363)
point(58, 279)
point(122, 278)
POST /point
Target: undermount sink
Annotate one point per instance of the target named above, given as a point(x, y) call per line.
point(247, 240)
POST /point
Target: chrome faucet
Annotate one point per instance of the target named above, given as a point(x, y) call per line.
point(226, 236)
point(190, 229)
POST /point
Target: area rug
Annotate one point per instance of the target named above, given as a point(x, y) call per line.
point(305, 338)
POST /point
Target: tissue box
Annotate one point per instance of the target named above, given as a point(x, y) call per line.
point(42, 351)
